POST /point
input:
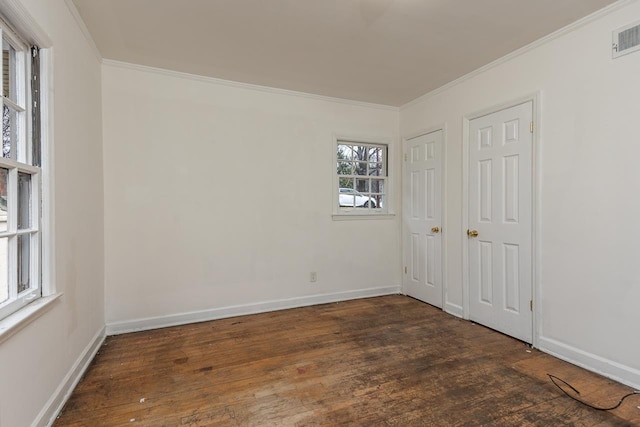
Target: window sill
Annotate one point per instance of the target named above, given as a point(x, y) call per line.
point(16, 321)
point(349, 217)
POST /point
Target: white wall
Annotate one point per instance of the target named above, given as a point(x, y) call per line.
point(220, 196)
point(35, 362)
point(589, 286)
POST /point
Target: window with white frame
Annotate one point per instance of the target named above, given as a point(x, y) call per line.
point(362, 177)
point(20, 175)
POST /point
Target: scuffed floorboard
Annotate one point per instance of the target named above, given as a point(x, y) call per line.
point(385, 361)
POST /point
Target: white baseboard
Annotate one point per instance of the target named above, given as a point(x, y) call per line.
point(591, 362)
point(54, 405)
point(126, 326)
point(454, 309)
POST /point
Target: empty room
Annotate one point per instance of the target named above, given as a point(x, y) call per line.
point(300, 213)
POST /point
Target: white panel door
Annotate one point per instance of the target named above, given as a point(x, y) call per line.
point(500, 220)
point(422, 211)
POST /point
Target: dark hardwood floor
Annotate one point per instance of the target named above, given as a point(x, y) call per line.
point(386, 361)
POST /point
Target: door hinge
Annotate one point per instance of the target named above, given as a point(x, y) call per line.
point(531, 304)
point(405, 269)
point(531, 127)
point(406, 157)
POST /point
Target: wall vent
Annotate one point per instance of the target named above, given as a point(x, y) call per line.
point(626, 40)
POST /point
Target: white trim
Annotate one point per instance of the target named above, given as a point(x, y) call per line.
point(454, 309)
point(516, 53)
point(22, 21)
point(20, 163)
point(240, 85)
point(591, 362)
point(536, 204)
point(536, 219)
point(15, 107)
point(25, 315)
point(350, 217)
point(444, 227)
point(532, 97)
point(48, 265)
point(8, 163)
point(83, 28)
point(49, 412)
point(144, 324)
point(422, 132)
point(465, 217)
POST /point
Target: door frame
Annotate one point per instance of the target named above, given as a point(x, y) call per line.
point(443, 204)
point(536, 99)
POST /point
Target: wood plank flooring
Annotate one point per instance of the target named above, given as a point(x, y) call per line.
point(386, 361)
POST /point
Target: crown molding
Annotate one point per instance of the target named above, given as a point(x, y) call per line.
point(240, 85)
point(83, 28)
point(516, 53)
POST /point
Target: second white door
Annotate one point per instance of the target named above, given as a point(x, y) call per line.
point(422, 222)
point(500, 220)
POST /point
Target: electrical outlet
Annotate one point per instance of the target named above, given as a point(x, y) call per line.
point(313, 276)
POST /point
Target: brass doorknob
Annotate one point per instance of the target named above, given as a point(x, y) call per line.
point(472, 233)
point(435, 230)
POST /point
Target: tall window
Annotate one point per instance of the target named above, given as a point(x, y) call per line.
point(20, 175)
point(362, 177)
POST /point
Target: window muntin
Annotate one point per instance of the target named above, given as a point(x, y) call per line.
point(20, 181)
point(362, 177)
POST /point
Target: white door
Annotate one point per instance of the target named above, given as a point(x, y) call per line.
point(500, 220)
point(422, 222)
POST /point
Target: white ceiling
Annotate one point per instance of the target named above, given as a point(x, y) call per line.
point(382, 51)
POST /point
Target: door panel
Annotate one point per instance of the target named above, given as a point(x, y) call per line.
point(422, 195)
point(500, 210)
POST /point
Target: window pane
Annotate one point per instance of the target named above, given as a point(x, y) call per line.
point(375, 154)
point(361, 168)
point(362, 185)
point(9, 132)
point(379, 201)
point(24, 200)
point(345, 168)
point(24, 259)
point(377, 186)
point(375, 169)
point(4, 176)
point(9, 71)
point(345, 152)
point(347, 200)
point(346, 182)
point(4, 271)
point(360, 153)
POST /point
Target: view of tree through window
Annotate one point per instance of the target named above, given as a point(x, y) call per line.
point(20, 176)
point(7, 54)
point(362, 175)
